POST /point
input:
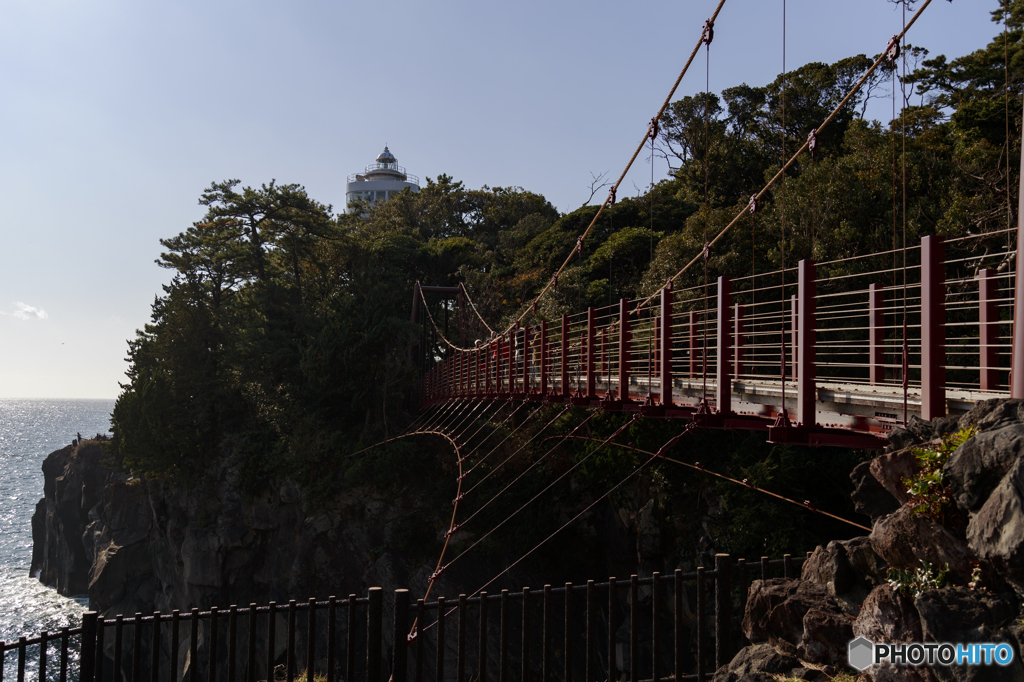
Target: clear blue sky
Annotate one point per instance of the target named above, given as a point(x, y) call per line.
point(115, 115)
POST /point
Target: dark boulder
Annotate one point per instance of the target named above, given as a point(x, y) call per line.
point(757, 663)
point(996, 531)
point(799, 618)
point(977, 466)
point(905, 538)
point(958, 614)
point(869, 497)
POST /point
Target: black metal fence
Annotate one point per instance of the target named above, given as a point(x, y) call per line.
point(677, 626)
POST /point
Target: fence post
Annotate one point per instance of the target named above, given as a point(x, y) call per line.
point(988, 331)
point(482, 647)
point(933, 328)
point(87, 666)
point(804, 348)
point(666, 346)
point(876, 334)
point(373, 634)
point(723, 610)
point(723, 378)
point(399, 632)
point(702, 620)
point(634, 628)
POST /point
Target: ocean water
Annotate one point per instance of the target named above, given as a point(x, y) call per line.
point(31, 429)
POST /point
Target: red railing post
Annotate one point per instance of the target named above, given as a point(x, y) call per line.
point(591, 338)
point(794, 327)
point(498, 362)
point(526, 359)
point(544, 357)
point(566, 391)
point(488, 351)
point(666, 347)
point(723, 388)
point(739, 329)
point(694, 349)
point(803, 348)
point(876, 335)
point(988, 331)
point(625, 342)
point(933, 328)
point(1017, 351)
point(476, 356)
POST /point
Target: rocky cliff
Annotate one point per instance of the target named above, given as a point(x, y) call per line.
point(138, 545)
point(802, 628)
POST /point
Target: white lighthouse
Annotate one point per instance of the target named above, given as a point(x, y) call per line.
point(380, 181)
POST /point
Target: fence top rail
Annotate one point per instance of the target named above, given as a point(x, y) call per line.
point(55, 635)
point(414, 604)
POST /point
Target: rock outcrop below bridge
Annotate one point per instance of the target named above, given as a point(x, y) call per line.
point(801, 627)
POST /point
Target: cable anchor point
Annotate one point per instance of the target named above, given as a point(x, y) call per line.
point(708, 33)
point(752, 205)
point(579, 244)
point(611, 197)
point(812, 142)
point(652, 129)
point(892, 50)
point(707, 251)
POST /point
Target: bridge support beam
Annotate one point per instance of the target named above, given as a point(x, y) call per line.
point(666, 347)
point(988, 330)
point(933, 328)
point(723, 389)
point(876, 335)
point(804, 346)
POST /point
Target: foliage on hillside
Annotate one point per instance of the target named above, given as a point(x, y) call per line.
point(283, 334)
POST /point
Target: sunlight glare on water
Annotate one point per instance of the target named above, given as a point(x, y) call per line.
point(30, 429)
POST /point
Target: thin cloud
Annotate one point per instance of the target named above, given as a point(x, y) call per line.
point(28, 312)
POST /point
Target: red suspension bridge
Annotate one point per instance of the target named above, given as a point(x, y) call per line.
point(833, 353)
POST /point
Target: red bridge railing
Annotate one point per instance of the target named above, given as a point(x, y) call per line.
point(832, 353)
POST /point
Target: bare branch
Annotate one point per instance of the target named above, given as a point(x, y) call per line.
point(597, 183)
